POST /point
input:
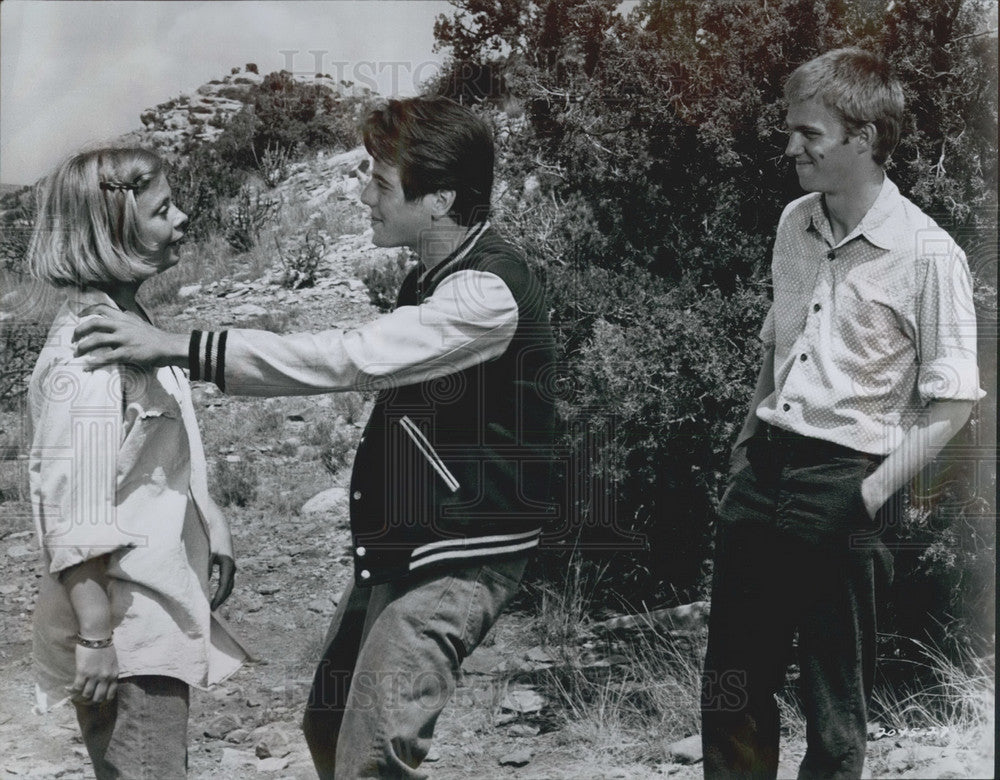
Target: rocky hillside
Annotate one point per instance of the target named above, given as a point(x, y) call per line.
point(177, 125)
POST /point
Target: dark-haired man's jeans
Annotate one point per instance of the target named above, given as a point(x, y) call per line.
point(392, 660)
point(795, 552)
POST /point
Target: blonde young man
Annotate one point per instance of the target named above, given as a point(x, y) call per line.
point(869, 368)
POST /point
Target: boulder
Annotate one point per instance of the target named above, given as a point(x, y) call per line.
point(330, 500)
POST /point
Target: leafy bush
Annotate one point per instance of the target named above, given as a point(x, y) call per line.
point(248, 214)
point(273, 165)
point(234, 482)
point(653, 146)
point(17, 218)
point(290, 116)
point(301, 261)
point(200, 183)
point(20, 343)
point(385, 278)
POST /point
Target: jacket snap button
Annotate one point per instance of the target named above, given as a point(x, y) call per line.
point(357, 495)
point(786, 407)
point(365, 574)
point(361, 552)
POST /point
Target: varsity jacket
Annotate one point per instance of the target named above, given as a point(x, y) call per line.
point(455, 463)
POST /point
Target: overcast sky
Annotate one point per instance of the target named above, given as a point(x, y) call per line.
point(75, 73)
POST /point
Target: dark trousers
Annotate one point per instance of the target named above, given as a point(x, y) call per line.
point(795, 552)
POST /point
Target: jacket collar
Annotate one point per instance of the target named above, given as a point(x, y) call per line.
point(475, 233)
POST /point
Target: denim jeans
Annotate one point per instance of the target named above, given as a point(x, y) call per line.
point(141, 734)
point(795, 552)
point(392, 660)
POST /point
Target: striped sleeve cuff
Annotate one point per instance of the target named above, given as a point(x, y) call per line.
point(207, 357)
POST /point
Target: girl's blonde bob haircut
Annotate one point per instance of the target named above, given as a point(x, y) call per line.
point(86, 228)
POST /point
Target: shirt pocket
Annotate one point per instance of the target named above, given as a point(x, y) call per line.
point(870, 329)
point(155, 453)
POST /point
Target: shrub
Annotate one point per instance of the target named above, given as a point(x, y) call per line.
point(26, 315)
point(654, 148)
point(301, 261)
point(383, 279)
point(17, 219)
point(248, 214)
point(292, 116)
point(273, 165)
point(337, 451)
point(234, 482)
point(20, 343)
point(200, 183)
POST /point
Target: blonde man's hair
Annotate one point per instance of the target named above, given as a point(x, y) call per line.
point(86, 228)
point(860, 87)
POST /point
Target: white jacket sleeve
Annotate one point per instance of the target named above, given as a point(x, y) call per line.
point(470, 319)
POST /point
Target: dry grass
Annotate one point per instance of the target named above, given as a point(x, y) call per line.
point(627, 698)
point(960, 703)
point(631, 698)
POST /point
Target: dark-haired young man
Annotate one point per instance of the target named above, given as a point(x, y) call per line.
point(869, 368)
point(450, 481)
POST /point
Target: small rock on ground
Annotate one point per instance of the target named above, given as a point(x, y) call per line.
point(519, 757)
point(687, 750)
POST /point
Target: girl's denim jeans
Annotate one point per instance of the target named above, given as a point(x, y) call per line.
point(141, 734)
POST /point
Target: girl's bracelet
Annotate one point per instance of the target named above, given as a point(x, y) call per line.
point(94, 644)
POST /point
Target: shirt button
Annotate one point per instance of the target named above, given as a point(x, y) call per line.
point(361, 552)
point(831, 255)
point(786, 407)
point(357, 495)
point(816, 307)
point(803, 357)
point(365, 574)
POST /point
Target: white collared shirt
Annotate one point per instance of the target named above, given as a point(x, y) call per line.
point(869, 330)
point(117, 468)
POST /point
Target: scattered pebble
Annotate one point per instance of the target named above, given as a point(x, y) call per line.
point(222, 725)
point(272, 764)
point(524, 701)
point(520, 757)
point(687, 750)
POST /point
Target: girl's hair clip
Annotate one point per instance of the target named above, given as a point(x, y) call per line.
point(116, 186)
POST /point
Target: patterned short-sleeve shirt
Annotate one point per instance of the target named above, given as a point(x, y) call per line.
point(867, 331)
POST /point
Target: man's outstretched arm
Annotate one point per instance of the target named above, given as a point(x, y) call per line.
point(469, 319)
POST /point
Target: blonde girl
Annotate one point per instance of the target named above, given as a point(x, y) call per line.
point(123, 623)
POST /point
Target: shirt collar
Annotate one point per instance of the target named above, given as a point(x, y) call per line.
point(80, 298)
point(876, 225)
